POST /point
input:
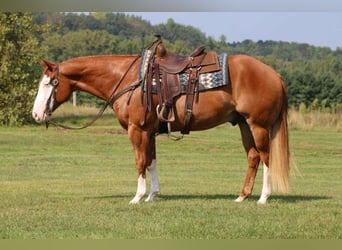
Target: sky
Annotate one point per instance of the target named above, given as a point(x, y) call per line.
point(316, 22)
point(322, 29)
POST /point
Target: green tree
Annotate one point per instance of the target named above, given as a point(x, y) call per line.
point(211, 43)
point(19, 67)
point(79, 43)
point(172, 31)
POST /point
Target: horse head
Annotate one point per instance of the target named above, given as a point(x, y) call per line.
point(53, 90)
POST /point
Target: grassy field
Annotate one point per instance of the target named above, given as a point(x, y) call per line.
point(57, 184)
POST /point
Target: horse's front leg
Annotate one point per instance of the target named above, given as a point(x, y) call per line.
point(154, 188)
point(152, 169)
point(144, 150)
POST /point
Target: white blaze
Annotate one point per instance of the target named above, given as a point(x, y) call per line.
point(44, 92)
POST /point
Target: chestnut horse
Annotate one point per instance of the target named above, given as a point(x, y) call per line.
point(255, 99)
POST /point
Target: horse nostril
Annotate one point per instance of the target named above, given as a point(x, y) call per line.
point(35, 116)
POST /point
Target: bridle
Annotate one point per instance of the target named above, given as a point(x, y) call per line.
point(113, 97)
point(51, 100)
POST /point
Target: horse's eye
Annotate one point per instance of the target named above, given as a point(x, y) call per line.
point(54, 82)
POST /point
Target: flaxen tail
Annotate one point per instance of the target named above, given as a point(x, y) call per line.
point(279, 160)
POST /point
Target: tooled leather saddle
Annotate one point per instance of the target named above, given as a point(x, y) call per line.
point(163, 70)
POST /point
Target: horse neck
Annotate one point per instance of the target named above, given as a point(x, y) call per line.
point(97, 75)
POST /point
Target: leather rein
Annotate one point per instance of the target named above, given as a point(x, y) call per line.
point(113, 97)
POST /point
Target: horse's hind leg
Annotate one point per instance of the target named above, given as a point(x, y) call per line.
point(253, 158)
point(261, 139)
point(266, 187)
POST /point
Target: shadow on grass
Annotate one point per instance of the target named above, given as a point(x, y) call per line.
point(284, 198)
point(299, 198)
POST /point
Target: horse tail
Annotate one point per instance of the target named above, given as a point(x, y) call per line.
point(279, 157)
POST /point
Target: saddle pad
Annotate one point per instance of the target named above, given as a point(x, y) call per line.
point(206, 81)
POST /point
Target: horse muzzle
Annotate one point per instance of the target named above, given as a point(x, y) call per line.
point(39, 118)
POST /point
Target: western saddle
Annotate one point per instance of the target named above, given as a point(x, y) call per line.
point(165, 68)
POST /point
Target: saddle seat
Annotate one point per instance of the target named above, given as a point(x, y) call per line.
point(173, 63)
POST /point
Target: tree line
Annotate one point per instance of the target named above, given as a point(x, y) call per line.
point(313, 74)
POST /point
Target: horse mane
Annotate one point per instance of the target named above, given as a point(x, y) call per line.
point(97, 56)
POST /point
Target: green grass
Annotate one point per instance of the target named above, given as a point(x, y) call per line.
point(57, 184)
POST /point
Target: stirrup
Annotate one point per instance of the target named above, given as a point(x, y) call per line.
point(165, 114)
point(171, 136)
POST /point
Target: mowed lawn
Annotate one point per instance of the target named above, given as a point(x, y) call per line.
point(57, 184)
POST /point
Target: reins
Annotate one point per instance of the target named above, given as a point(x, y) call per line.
point(113, 97)
point(56, 124)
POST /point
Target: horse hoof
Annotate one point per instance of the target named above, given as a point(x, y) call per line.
point(148, 199)
point(151, 197)
point(132, 202)
point(262, 201)
point(135, 201)
point(239, 199)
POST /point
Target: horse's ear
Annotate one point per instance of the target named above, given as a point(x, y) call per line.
point(47, 64)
